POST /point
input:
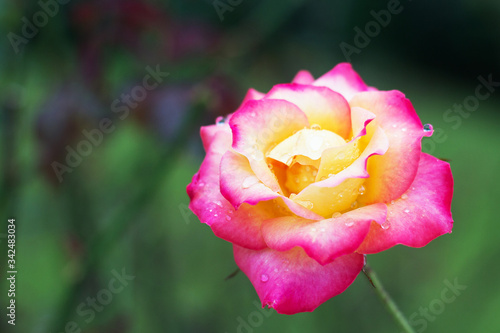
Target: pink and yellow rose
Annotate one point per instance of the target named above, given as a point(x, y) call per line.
point(308, 178)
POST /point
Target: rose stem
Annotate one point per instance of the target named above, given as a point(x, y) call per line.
point(387, 300)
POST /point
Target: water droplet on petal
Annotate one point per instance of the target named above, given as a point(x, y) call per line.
point(315, 127)
point(336, 214)
point(354, 205)
point(218, 203)
point(404, 129)
point(407, 211)
point(257, 155)
point(201, 184)
point(264, 278)
point(404, 196)
point(385, 225)
point(428, 128)
point(249, 181)
point(392, 202)
point(270, 166)
point(220, 121)
point(349, 223)
point(361, 190)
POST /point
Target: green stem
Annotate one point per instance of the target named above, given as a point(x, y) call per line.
point(387, 300)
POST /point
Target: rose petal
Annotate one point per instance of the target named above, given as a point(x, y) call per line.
point(303, 77)
point(238, 184)
point(392, 173)
point(252, 95)
point(258, 126)
point(338, 192)
point(323, 240)
point(422, 214)
point(291, 282)
point(211, 207)
point(344, 80)
point(361, 118)
point(321, 105)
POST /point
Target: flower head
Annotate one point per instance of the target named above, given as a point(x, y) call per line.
point(306, 179)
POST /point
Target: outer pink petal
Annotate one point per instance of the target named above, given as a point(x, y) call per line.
point(423, 215)
point(303, 77)
point(360, 119)
point(291, 282)
point(252, 95)
point(258, 126)
point(343, 79)
point(392, 173)
point(239, 185)
point(323, 240)
point(211, 207)
point(321, 105)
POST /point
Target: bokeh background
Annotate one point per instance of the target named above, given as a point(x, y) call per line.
point(123, 207)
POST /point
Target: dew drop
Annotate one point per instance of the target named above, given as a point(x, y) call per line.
point(249, 181)
point(428, 128)
point(361, 190)
point(392, 202)
point(341, 195)
point(218, 203)
point(385, 225)
point(201, 184)
point(228, 217)
point(292, 195)
point(270, 166)
point(314, 173)
point(336, 214)
point(349, 223)
point(404, 129)
point(220, 121)
point(407, 211)
point(404, 196)
point(354, 205)
point(257, 155)
point(264, 278)
point(315, 127)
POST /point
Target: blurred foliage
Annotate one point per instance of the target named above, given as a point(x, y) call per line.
point(125, 206)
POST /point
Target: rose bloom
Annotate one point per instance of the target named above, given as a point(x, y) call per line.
point(308, 178)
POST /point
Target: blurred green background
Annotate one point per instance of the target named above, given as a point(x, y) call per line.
point(123, 207)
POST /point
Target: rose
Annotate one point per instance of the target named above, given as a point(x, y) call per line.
point(308, 178)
